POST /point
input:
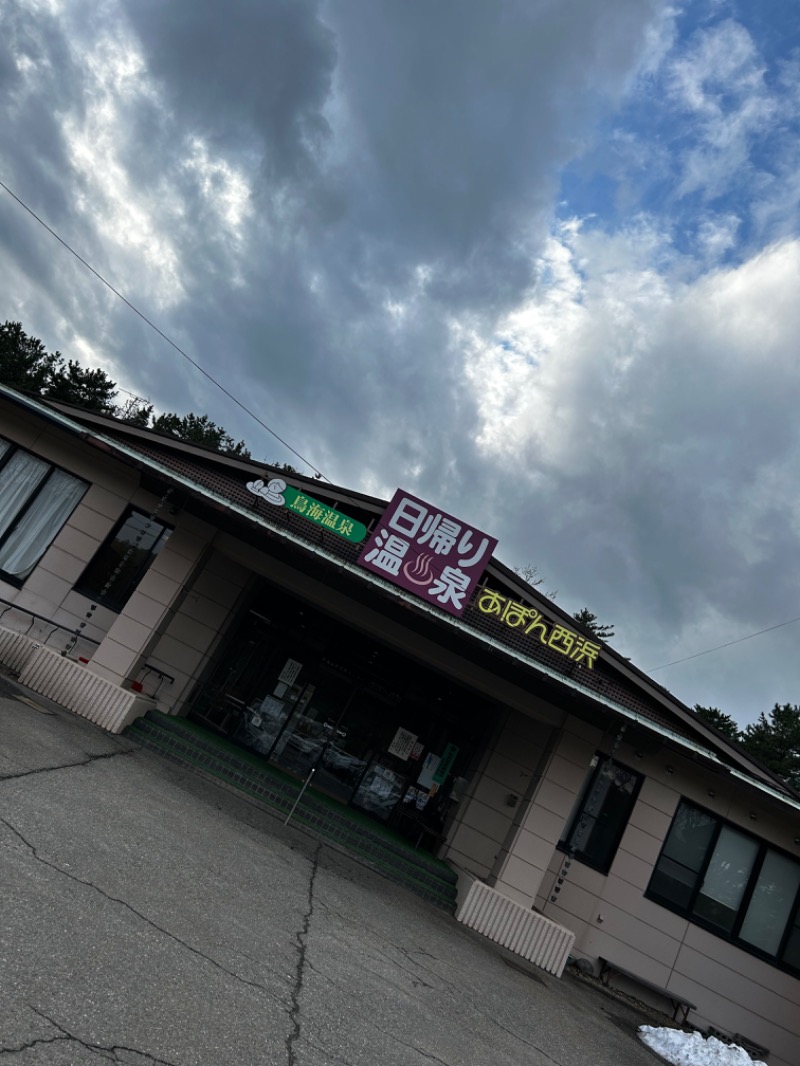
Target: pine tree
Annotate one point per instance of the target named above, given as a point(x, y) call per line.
point(775, 741)
point(722, 722)
point(590, 621)
point(25, 363)
point(93, 390)
point(199, 429)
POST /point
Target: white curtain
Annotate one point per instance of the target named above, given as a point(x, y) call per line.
point(40, 523)
point(729, 870)
point(18, 479)
point(772, 902)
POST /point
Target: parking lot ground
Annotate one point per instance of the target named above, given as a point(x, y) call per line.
point(148, 915)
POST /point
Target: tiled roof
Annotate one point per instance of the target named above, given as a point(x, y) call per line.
point(613, 681)
point(602, 680)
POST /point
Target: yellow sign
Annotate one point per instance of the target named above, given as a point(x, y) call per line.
point(559, 638)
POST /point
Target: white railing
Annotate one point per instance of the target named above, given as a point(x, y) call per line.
point(70, 684)
point(16, 649)
point(523, 931)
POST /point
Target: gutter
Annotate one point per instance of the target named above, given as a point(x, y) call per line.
point(400, 594)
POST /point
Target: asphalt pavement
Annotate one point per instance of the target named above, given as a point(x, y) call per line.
point(148, 915)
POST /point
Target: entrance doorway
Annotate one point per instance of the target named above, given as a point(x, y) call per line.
point(382, 732)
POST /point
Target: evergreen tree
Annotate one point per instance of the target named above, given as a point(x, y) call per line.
point(775, 741)
point(199, 429)
point(25, 363)
point(717, 718)
point(93, 390)
point(590, 621)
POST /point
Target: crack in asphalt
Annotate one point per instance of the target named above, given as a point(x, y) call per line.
point(510, 1032)
point(378, 952)
point(106, 1051)
point(447, 989)
point(301, 946)
point(415, 968)
point(31, 1044)
point(148, 921)
point(466, 1009)
point(67, 766)
point(423, 1054)
point(326, 1051)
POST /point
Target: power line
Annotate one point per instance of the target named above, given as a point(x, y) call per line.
point(708, 651)
point(271, 431)
point(163, 335)
point(343, 494)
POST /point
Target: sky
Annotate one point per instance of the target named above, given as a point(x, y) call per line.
point(535, 261)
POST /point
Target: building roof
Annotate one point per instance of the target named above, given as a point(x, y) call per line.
point(219, 480)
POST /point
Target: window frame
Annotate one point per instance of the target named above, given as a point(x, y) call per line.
point(764, 849)
point(599, 760)
point(116, 603)
point(5, 458)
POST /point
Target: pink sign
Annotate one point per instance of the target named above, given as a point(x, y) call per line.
point(427, 552)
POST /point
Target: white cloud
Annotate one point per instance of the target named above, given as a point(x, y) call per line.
point(348, 210)
point(656, 429)
point(719, 83)
point(716, 235)
point(129, 219)
point(225, 187)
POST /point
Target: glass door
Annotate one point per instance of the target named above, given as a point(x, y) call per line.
point(316, 737)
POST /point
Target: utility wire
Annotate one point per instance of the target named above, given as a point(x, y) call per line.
point(708, 651)
point(163, 335)
point(180, 351)
point(272, 432)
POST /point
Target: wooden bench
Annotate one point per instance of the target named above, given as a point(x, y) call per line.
point(680, 1006)
point(754, 1050)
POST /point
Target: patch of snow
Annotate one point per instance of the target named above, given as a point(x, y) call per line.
point(694, 1049)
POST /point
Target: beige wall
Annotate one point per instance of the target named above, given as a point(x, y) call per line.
point(195, 628)
point(175, 615)
point(525, 860)
point(141, 626)
point(48, 590)
point(498, 793)
point(541, 768)
point(733, 990)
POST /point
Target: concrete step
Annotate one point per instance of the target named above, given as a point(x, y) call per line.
point(373, 844)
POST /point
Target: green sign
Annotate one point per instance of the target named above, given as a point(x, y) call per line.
point(323, 515)
point(445, 764)
point(279, 494)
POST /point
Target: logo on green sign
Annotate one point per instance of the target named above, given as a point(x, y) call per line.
point(278, 493)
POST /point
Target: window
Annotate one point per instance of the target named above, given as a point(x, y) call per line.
point(601, 814)
point(731, 883)
point(36, 499)
point(122, 561)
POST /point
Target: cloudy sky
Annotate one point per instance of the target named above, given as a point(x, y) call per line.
point(537, 261)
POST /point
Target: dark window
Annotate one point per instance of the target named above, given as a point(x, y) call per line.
point(730, 882)
point(36, 499)
point(601, 814)
point(122, 561)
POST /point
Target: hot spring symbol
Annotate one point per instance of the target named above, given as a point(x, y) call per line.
point(421, 572)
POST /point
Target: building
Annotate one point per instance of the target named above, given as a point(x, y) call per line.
point(137, 571)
